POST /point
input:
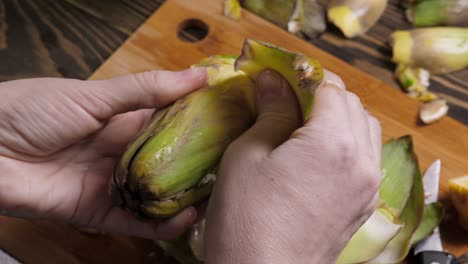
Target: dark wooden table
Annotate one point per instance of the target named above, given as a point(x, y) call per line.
point(71, 38)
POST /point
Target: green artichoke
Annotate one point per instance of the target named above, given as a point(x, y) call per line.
point(172, 163)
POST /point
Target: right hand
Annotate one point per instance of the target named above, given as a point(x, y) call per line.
point(291, 194)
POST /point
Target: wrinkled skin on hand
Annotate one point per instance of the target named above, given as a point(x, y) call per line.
point(60, 140)
point(290, 194)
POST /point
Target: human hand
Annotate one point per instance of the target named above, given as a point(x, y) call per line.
point(286, 194)
point(60, 140)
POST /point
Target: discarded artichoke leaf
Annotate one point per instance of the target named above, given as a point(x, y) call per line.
point(415, 82)
point(232, 9)
point(433, 111)
point(436, 49)
point(355, 17)
point(314, 21)
point(278, 12)
point(373, 235)
point(398, 169)
point(305, 16)
point(458, 188)
point(439, 13)
point(412, 79)
point(401, 168)
point(297, 17)
point(427, 97)
point(431, 219)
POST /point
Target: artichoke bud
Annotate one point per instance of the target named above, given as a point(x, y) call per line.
point(172, 163)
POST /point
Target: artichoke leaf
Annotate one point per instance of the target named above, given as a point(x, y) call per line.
point(372, 236)
point(431, 219)
point(399, 154)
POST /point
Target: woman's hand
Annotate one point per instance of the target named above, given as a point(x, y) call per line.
point(60, 139)
point(291, 194)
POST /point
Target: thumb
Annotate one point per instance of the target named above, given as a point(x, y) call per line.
point(152, 89)
point(279, 114)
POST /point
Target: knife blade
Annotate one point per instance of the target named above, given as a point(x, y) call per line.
point(430, 250)
point(5, 258)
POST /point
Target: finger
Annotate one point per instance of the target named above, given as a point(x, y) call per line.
point(153, 89)
point(330, 78)
point(376, 137)
point(118, 221)
point(330, 102)
point(175, 226)
point(278, 117)
point(359, 125)
point(119, 131)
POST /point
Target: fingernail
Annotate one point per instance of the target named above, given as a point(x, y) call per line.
point(196, 72)
point(334, 84)
point(334, 80)
point(192, 213)
point(269, 85)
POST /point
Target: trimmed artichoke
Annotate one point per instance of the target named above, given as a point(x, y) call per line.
point(436, 49)
point(355, 17)
point(172, 163)
point(438, 12)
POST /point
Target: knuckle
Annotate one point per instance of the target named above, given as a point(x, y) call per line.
point(353, 98)
point(146, 81)
point(346, 151)
point(375, 122)
point(371, 180)
point(371, 206)
point(241, 150)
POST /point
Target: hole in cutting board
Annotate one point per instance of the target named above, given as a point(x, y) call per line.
point(192, 30)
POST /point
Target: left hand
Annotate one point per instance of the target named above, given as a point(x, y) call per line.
point(60, 140)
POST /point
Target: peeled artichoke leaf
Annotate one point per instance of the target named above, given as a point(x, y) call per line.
point(431, 219)
point(371, 238)
point(399, 165)
point(304, 74)
point(400, 154)
point(297, 17)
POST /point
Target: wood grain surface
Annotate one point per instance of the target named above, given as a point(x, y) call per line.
point(67, 38)
point(71, 38)
point(156, 45)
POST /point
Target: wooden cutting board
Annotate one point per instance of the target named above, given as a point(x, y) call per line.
point(155, 45)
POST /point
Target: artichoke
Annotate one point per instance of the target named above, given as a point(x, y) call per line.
point(172, 163)
point(297, 16)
